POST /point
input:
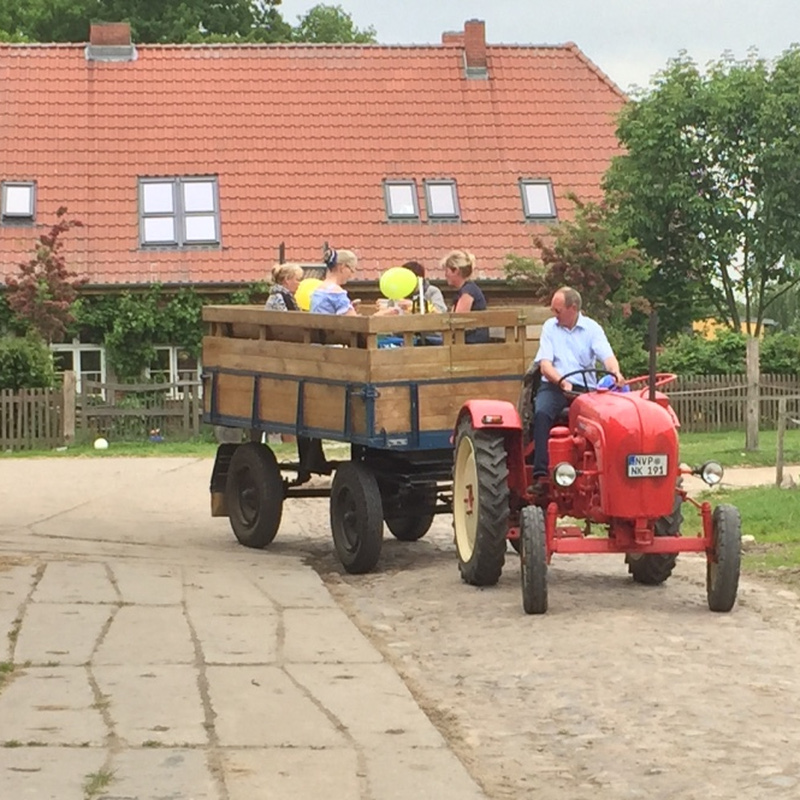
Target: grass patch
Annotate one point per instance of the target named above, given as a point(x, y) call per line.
point(189, 449)
point(95, 782)
point(727, 447)
point(769, 514)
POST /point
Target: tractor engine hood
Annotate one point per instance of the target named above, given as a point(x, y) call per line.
point(636, 446)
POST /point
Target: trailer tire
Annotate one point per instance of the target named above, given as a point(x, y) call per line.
point(722, 572)
point(356, 517)
point(533, 562)
point(254, 494)
point(652, 569)
point(480, 503)
point(411, 528)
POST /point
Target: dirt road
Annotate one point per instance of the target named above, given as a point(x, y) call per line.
point(620, 691)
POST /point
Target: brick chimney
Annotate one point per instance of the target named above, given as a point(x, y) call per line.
point(110, 41)
point(475, 45)
point(453, 37)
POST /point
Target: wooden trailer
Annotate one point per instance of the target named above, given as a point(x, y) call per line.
point(391, 387)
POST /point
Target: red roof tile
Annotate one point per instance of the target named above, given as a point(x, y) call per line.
point(301, 138)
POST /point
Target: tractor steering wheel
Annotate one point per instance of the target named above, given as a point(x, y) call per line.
point(662, 379)
point(598, 373)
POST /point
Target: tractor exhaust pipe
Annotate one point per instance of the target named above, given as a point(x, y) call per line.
point(653, 336)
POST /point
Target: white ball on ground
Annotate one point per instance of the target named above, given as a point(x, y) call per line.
point(101, 444)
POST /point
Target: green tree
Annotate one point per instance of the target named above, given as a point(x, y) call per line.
point(710, 185)
point(591, 254)
point(45, 288)
point(158, 21)
point(25, 363)
point(324, 23)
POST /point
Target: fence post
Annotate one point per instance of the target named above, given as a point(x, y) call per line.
point(68, 402)
point(753, 404)
point(782, 413)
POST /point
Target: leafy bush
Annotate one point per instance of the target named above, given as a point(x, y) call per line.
point(25, 364)
point(689, 354)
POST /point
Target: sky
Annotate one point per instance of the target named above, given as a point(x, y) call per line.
point(629, 40)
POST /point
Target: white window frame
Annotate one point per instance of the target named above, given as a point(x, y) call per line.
point(393, 214)
point(11, 215)
point(537, 213)
point(76, 347)
point(174, 373)
point(433, 214)
point(178, 214)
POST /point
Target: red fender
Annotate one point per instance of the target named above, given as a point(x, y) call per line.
point(491, 414)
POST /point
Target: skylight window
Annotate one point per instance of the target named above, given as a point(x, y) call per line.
point(537, 199)
point(178, 212)
point(401, 199)
point(18, 201)
point(441, 198)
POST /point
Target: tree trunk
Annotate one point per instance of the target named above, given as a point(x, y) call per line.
point(753, 376)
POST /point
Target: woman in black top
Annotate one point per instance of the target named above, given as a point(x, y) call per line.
point(285, 280)
point(458, 266)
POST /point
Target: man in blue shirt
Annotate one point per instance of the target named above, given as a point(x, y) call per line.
point(569, 341)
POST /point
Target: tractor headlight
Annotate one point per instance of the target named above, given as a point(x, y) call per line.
point(564, 474)
point(711, 472)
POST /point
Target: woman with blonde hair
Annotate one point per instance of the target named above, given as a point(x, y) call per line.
point(330, 297)
point(458, 266)
point(285, 280)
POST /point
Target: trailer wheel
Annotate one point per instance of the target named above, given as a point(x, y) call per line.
point(254, 494)
point(410, 528)
point(722, 572)
point(480, 503)
point(652, 569)
point(533, 564)
point(356, 517)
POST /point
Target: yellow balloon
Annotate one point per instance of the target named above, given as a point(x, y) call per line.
point(304, 291)
point(397, 283)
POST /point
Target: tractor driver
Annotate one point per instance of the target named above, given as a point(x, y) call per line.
point(570, 341)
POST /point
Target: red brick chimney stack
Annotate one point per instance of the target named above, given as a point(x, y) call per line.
point(453, 37)
point(475, 44)
point(113, 34)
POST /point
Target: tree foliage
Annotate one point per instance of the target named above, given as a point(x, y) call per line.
point(324, 23)
point(167, 21)
point(43, 291)
point(710, 186)
point(591, 254)
point(25, 363)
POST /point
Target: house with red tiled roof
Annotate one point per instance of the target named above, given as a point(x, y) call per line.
point(191, 165)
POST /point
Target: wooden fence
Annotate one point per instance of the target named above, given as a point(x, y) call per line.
point(719, 402)
point(31, 419)
point(137, 411)
point(46, 418)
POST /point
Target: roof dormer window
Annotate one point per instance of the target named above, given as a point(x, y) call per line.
point(441, 199)
point(18, 201)
point(401, 199)
point(537, 199)
point(178, 212)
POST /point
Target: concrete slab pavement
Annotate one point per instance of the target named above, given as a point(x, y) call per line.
point(143, 655)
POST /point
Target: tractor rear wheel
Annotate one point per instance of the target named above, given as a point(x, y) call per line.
point(533, 564)
point(254, 494)
point(652, 569)
point(722, 572)
point(480, 503)
point(356, 517)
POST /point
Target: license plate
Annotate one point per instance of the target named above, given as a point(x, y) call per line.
point(653, 466)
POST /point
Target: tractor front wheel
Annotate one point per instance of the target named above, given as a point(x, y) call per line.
point(480, 503)
point(722, 570)
point(356, 517)
point(533, 565)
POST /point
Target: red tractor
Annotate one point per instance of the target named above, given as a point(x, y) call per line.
point(613, 463)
